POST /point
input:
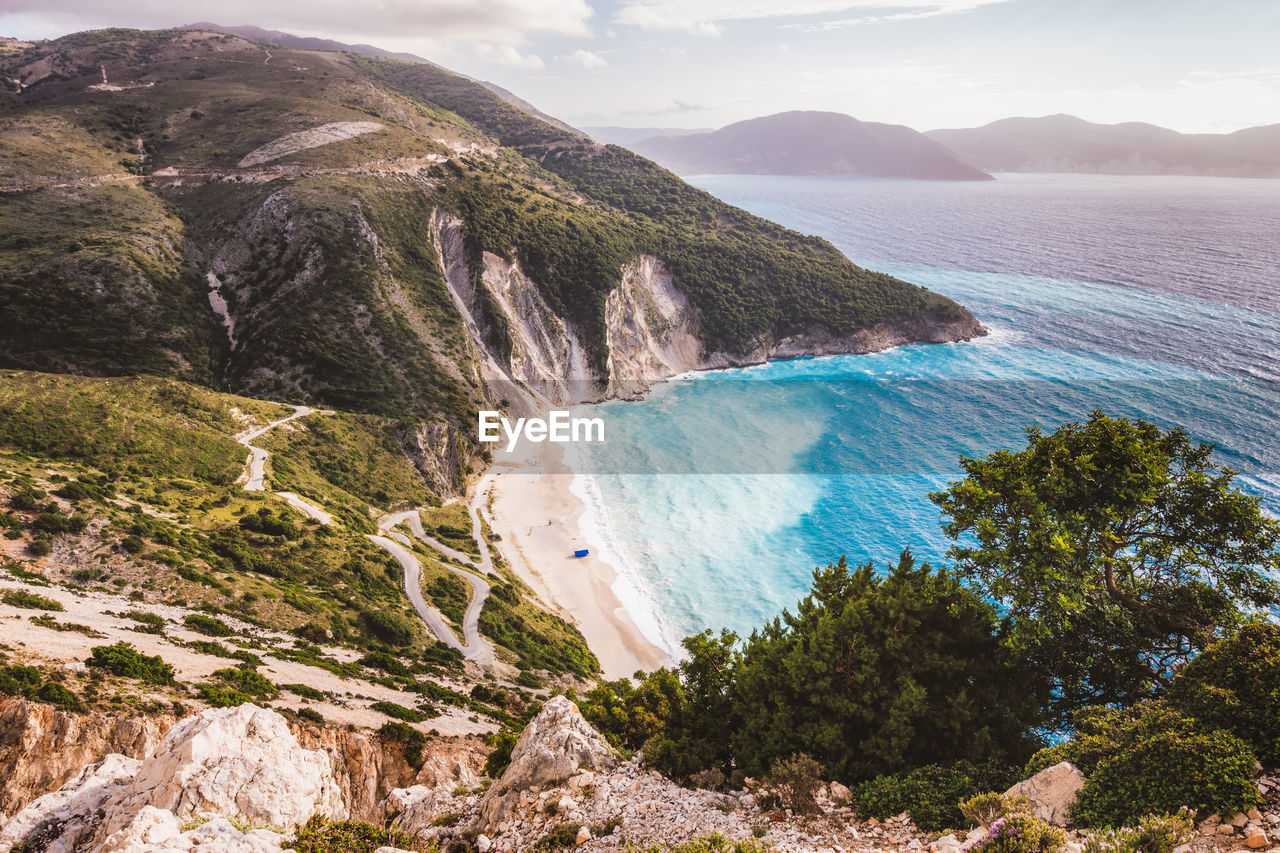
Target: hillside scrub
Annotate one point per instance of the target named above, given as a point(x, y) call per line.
point(1120, 550)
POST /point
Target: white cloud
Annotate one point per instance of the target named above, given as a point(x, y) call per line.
point(705, 16)
point(583, 59)
point(506, 56)
point(498, 21)
point(666, 108)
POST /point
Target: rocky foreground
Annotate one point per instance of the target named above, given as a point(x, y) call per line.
point(237, 780)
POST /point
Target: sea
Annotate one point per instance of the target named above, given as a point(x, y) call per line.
point(1149, 297)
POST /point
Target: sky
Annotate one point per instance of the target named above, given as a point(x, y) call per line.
point(1202, 66)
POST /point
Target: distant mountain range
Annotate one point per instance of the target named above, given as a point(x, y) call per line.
point(1062, 143)
point(626, 136)
point(810, 143)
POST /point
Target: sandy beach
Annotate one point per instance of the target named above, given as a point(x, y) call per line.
point(531, 506)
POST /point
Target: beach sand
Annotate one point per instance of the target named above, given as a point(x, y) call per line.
point(531, 506)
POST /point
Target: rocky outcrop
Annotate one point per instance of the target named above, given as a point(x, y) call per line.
point(650, 329)
point(1051, 792)
point(71, 811)
point(368, 770)
point(42, 748)
point(557, 744)
point(234, 763)
point(533, 358)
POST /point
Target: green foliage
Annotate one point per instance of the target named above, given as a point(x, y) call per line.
point(986, 809)
point(1153, 834)
point(210, 626)
point(1119, 550)
point(932, 794)
point(386, 662)
point(410, 738)
point(311, 715)
point(1235, 685)
point(247, 681)
point(560, 837)
point(305, 691)
point(1021, 833)
point(29, 600)
point(796, 779)
point(59, 696)
point(220, 696)
point(398, 712)
point(541, 640)
point(124, 660)
point(875, 675)
point(502, 741)
point(1151, 759)
point(321, 835)
point(391, 628)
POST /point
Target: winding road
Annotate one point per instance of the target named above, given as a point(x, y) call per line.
point(473, 646)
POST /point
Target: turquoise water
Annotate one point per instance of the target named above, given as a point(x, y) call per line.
point(720, 492)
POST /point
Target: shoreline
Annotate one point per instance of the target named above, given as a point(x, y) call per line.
point(532, 504)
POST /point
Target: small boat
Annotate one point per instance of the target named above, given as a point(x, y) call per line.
point(581, 552)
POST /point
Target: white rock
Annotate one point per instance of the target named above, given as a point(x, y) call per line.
point(583, 836)
point(232, 762)
point(73, 805)
point(219, 836)
point(151, 828)
point(840, 794)
point(418, 806)
point(553, 747)
point(1051, 792)
point(483, 843)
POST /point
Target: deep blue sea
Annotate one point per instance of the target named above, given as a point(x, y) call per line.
point(1150, 297)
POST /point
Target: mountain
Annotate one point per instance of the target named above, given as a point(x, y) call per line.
point(628, 136)
point(810, 143)
point(357, 218)
point(199, 226)
point(1062, 143)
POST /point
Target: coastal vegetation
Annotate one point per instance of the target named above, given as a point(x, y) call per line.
point(1131, 576)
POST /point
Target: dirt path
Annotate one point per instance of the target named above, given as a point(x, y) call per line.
point(476, 647)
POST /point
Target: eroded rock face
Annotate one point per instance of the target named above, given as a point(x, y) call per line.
point(233, 762)
point(240, 763)
point(1051, 792)
point(556, 744)
point(70, 811)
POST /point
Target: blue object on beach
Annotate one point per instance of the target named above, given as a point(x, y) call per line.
point(581, 552)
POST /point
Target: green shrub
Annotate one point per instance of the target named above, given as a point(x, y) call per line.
point(305, 691)
point(124, 660)
point(796, 779)
point(715, 843)
point(250, 682)
point(133, 544)
point(386, 662)
point(58, 695)
point(931, 793)
point(207, 625)
point(986, 809)
point(560, 838)
point(1235, 685)
point(502, 741)
point(1020, 833)
point(1151, 759)
point(398, 712)
point(1208, 771)
point(311, 715)
point(321, 835)
point(41, 546)
point(1153, 834)
point(19, 680)
point(412, 739)
point(388, 627)
point(222, 697)
point(29, 600)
